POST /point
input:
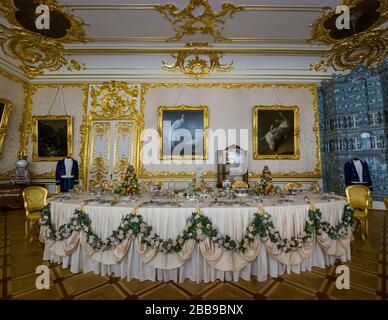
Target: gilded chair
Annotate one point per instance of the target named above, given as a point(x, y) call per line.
point(293, 185)
point(358, 196)
point(386, 203)
point(35, 198)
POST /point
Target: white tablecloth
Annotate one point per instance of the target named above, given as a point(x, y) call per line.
point(289, 220)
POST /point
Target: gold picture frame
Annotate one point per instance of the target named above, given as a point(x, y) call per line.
point(271, 140)
point(5, 111)
point(189, 112)
point(44, 146)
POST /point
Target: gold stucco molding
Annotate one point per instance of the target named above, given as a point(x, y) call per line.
point(316, 173)
point(347, 50)
point(198, 17)
point(37, 51)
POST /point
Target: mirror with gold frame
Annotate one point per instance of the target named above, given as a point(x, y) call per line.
point(52, 137)
point(5, 111)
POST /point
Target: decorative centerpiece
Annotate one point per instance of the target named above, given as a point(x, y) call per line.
point(129, 184)
point(197, 188)
point(266, 187)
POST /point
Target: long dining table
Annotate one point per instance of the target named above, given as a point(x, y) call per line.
point(198, 259)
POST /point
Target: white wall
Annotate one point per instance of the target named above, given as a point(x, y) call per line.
point(41, 101)
point(228, 108)
point(13, 91)
point(232, 109)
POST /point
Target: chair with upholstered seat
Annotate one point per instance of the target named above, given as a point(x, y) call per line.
point(386, 203)
point(358, 196)
point(35, 198)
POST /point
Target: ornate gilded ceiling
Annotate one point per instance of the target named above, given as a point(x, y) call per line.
point(39, 50)
point(365, 42)
point(195, 38)
point(199, 62)
point(198, 17)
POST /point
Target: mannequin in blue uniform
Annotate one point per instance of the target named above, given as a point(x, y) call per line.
point(357, 172)
point(66, 174)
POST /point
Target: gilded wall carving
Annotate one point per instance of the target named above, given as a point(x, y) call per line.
point(11, 90)
point(199, 62)
point(198, 17)
point(36, 103)
point(114, 106)
point(39, 50)
point(364, 43)
point(300, 93)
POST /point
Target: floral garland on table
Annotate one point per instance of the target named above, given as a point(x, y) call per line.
point(64, 231)
point(263, 226)
point(198, 227)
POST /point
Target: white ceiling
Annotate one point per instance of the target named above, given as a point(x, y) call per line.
point(269, 21)
point(128, 41)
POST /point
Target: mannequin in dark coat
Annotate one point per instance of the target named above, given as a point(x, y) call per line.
point(352, 176)
point(66, 179)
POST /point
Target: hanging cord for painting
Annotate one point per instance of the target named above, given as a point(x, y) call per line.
point(269, 95)
point(179, 96)
point(59, 89)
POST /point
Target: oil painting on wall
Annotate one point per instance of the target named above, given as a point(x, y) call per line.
point(182, 132)
point(52, 137)
point(275, 132)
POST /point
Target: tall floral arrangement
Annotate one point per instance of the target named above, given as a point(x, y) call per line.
point(265, 186)
point(129, 184)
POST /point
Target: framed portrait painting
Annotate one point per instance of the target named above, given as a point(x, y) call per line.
point(276, 132)
point(5, 111)
point(52, 137)
point(182, 132)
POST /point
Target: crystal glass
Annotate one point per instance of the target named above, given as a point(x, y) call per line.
point(171, 188)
